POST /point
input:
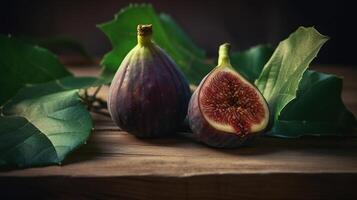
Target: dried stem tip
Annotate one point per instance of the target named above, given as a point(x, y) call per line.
point(144, 30)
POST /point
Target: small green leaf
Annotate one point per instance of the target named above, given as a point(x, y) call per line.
point(317, 110)
point(22, 64)
point(250, 62)
point(167, 34)
point(44, 123)
point(281, 75)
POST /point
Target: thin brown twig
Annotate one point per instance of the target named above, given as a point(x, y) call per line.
point(96, 91)
point(93, 103)
point(85, 93)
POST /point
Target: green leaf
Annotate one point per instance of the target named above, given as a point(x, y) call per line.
point(63, 84)
point(318, 109)
point(167, 34)
point(173, 30)
point(59, 43)
point(41, 125)
point(23, 145)
point(64, 43)
point(281, 75)
point(250, 62)
point(43, 122)
point(79, 82)
point(22, 64)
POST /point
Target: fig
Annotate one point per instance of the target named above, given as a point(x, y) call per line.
point(149, 95)
point(226, 110)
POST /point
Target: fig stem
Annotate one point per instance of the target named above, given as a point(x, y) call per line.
point(223, 54)
point(144, 34)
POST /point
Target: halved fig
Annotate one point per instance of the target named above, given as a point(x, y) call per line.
point(226, 110)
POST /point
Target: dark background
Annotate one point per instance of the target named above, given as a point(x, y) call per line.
point(209, 23)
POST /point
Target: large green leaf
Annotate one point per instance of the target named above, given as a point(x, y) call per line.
point(43, 122)
point(281, 75)
point(317, 110)
point(250, 62)
point(167, 34)
point(22, 64)
point(41, 125)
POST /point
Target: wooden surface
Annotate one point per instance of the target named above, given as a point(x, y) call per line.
point(116, 165)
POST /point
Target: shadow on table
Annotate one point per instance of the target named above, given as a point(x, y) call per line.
point(265, 145)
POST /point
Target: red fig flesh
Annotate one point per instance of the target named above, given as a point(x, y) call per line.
point(148, 96)
point(226, 110)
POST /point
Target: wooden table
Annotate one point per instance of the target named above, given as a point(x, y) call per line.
point(116, 165)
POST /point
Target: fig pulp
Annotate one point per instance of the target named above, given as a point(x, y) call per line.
point(148, 96)
point(226, 110)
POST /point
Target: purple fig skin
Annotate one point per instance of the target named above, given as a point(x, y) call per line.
point(148, 96)
point(207, 134)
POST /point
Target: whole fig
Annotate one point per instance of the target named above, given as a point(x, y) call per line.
point(226, 110)
point(149, 95)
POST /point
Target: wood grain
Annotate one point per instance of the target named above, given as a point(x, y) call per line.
point(116, 165)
